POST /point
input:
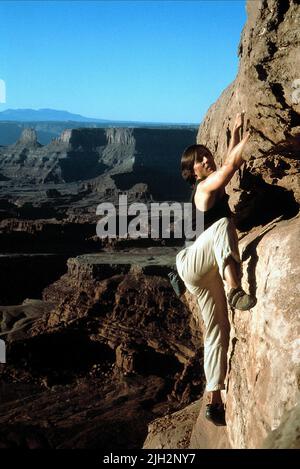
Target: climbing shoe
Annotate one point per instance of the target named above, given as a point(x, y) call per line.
point(238, 299)
point(215, 413)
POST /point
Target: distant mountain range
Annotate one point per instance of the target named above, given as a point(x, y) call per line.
point(54, 115)
point(28, 115)
point(49, 123)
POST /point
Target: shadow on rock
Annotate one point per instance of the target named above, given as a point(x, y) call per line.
point(261, 202)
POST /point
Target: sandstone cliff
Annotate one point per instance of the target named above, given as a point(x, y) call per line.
point(263, 380)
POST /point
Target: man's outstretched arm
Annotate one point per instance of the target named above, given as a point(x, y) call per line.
point(222, 176)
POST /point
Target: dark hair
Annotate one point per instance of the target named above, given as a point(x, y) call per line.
point(192, 154)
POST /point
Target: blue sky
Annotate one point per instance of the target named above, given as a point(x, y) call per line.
point(155, 61)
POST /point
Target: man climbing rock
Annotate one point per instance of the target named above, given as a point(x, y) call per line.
point(213, 257)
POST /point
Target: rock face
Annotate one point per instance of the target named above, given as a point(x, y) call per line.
point(287, 435)
point(174, 430)
point(263, 379)
point(267, 88)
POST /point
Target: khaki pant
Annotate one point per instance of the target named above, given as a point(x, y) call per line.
point(201, 267)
